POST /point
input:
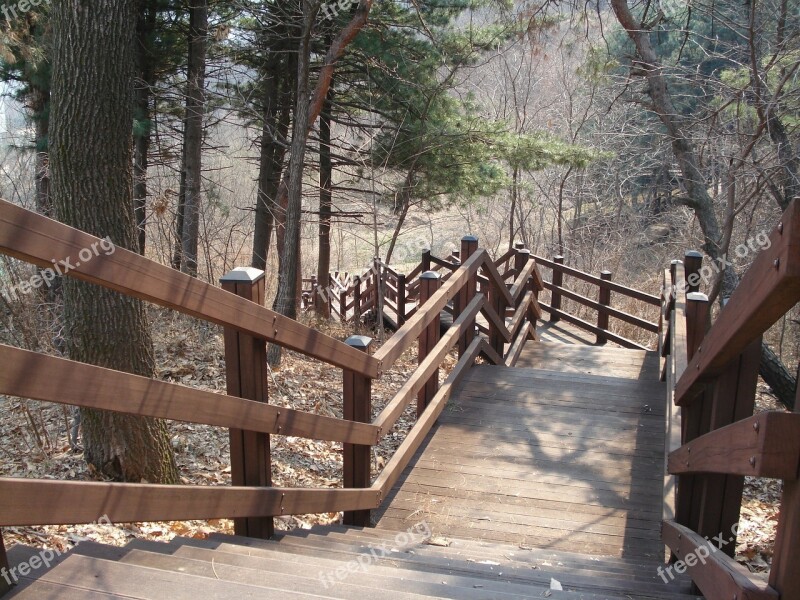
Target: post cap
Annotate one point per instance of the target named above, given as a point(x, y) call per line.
point(558, 257)
point(606, 274)
point(519, 245)
point(523, 251)
point(676, 262)
point(469, 238)
point(694, 254)
point(429, 275)
point(361, 342)
point(243, 274)
point(696, 297)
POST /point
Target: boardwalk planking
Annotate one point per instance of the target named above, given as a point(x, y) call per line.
point(534, 455)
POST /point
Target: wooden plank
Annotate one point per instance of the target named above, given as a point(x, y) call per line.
point(397, 405)
point(496, 280)
point(403, 455)
point(410, 332)
point(612, 337)
point(717, 575)
point(357, 407)
point(46, 502)
point(784, 573)
point(497, 324)
point(64, 381)
point(679, 352)
point(516, 348)
point(521, 282)
point(765, 445)
point(36, 239)
point(767, 291)
point(616, 287)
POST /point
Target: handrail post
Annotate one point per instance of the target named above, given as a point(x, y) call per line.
point(521, 258)
point(692, 263)
point(469, 245)
point(430, 282)
point(558, 281)
point(784, 575)
point(426, 260)
point(604, 298)
point(401, 299)
point(498, 303)
point(246, 374)
point(357, 407)
point(356, 299)
point(343, 305)
point(697, 309)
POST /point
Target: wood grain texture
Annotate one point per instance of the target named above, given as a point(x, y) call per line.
point(36, 239)
point(719, 576)
point(505, 464)
point(765, 445)
point(45, 502)
point(51, 379)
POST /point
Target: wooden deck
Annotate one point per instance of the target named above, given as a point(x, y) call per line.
point(565, 452)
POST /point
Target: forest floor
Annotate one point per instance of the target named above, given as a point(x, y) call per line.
point(192, 354)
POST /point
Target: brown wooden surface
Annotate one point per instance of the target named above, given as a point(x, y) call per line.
point(517, 457)
point(612, 337)
point(720, 576)
point(357, 458)
point(560, 269)
point(767, 291)
point(246, 377)
point(4, 566)
point(428, 340)
point(46, 502)
point(410, 332)
point(36, 239)
point(397, 405)
point(66, 382)
point(765, 445)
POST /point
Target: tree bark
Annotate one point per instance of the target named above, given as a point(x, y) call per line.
point(91, 158)
point(145, 28)
point(325, 199)
point(193, 134)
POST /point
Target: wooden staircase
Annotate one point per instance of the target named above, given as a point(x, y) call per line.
point(339, 562)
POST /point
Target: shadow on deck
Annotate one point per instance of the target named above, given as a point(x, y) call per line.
point(565, 452)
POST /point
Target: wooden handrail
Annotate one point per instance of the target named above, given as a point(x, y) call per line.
point(612, 337)
point(30, 501)
point(36, 239)
point(769, 289)
point(765, 445)
point(69, 382)
point(403, 455)
point(616, 287)
point(408, 333)
point(394, 409)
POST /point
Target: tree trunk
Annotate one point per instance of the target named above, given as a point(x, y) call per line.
point(193, 134)
point(91, 158)
point(325, 200)
point(145, 27)
point(286, 298)
point(777, 377)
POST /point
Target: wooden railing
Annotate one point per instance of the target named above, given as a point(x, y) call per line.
point(252, 501)
point(603, 303)
point(714, 439)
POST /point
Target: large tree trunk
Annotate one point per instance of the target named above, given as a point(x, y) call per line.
point(91, 158)
point(145, 28)
point(193, 134)
point(277, 110)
